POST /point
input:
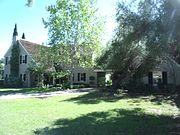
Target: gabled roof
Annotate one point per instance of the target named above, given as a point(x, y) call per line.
point(31, 48)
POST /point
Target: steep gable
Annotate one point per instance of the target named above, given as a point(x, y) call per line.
point(31, 48)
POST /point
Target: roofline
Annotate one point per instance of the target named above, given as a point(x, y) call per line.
point(25, 50)
point(8, 49)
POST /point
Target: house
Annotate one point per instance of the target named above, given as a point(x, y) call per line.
point(26, 53)
point(165, 73)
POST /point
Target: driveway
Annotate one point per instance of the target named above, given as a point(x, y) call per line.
point(45, 94)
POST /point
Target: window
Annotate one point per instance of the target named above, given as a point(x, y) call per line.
point(6, 77)
point(150, 78)
point(24, 77)
point(82, 77)
point(164, 77)
point(23, 59)
point(20, 61)
point(6, 62)
point(21, 77)
point(9, 60)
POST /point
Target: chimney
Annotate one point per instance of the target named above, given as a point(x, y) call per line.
point(15, 34)
point(23, 36)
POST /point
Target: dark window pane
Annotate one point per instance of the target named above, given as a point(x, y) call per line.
point(78, 76)
point(25, 58)
point(150, 78)
point(164, 77)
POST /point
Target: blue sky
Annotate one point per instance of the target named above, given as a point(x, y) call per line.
point(29, 20)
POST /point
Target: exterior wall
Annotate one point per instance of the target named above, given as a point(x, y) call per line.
point(7, 66)
point(30, 80)
point(89, 72)
point(172, 69)
point(22, 67)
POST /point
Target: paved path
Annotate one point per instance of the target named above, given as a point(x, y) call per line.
point(45, 94)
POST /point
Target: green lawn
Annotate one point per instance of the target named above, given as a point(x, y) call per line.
point(90, 114)
point(7, 91)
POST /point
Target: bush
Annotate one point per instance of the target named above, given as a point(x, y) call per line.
point(66, 86)
point(109, 83)
point(101, 81)
point(1, 83)
point(14, 82)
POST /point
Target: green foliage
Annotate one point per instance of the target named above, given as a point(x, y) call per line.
point(60, 74)
point(74, 31)
point(91, 113)
point(101, 81)
point(29, 3)
point(14, 62)
point(109, 83)
point(14, 79)
point(1, 68)
point(147, 34)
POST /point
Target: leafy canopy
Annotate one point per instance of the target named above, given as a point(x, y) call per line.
point(147, 33)
point(74, 31)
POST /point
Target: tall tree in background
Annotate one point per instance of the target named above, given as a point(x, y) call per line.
point(29, 3)
point(128, 51)
point(1, 68)
point(147, 33)
point(74, 31)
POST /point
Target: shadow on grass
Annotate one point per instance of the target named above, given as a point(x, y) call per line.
point(96, 97)
point(114, 122)
point(173, 99)
point(11, 91)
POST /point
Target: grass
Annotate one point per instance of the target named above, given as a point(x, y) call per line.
point(6, 91)
point(89, 114)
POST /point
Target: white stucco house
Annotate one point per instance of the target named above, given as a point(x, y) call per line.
point(27, 52)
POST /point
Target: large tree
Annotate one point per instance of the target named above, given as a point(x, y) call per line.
point(147, 33)
point(75, 31)
point(127, 51)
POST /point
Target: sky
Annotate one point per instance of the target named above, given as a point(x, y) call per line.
point(29, 20)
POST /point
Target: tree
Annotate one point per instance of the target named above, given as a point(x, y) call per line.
point(150, 25)
point(29, 3)
point(128, 51)
point(14, 79)
point(74, 32)
point(1, 68)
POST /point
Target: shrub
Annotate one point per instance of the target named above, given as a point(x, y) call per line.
point(109, 83)
point(1, 83)
point(101, 81)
